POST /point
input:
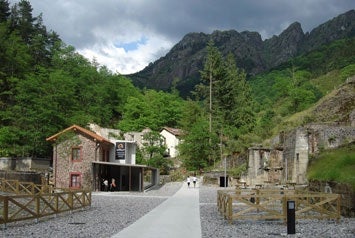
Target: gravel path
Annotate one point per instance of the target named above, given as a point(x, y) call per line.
point(112, 212)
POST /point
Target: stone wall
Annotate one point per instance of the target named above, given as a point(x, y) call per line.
point(21, 176)
point(329, 136)
point(25, 164)
point(63, 165)
point(287, 158)
point(295, 156)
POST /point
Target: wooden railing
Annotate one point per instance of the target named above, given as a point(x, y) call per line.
point(264, 204)
point(24, 205)
point(17, 187)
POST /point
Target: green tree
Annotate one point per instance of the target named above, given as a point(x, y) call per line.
point(152, 110)
point(211, 75)
point(153, 152)
point(234, 100)
point(197, 146)
point(4, 10)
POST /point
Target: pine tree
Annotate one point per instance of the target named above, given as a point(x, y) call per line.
point(4, 11)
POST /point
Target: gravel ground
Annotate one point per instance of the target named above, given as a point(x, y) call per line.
point(214, 225)
point(112, 212)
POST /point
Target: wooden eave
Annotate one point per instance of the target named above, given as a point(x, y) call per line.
point(81, 130)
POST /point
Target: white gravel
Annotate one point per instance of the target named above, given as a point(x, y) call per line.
point(112, 212)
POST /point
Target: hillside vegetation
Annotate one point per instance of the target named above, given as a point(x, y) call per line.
point(334, 165)
point(293, 93)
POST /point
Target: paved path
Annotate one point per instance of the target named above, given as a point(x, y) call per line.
point(178, 216)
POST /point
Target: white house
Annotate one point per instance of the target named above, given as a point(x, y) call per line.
point(171, 139)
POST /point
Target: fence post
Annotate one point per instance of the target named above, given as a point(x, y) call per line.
point(338, 208)
point(38, 210)
point(70, 201)
point(257, 199)
point(17, 187)
point(5, 212)
point(230, 210)
point(56, 203)
point(218, 202)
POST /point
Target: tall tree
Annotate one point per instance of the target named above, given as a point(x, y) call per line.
point(210, 76)
point(234, 98)
point(4, 11)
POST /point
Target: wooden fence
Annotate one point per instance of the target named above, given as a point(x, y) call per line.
point(265, 204)
point(33, 202)
point(17, 187)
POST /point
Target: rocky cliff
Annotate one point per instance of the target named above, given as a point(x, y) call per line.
point(181, 65)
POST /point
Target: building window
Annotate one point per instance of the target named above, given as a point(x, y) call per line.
point(75, 180)
point(76, 154)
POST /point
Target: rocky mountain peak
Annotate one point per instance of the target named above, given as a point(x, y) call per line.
point(184, 61)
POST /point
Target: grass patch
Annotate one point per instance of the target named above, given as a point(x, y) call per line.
point(335, 165)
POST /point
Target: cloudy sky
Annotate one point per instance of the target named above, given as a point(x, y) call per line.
point(126, 35)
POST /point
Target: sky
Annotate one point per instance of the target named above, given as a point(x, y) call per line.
point(127, 35)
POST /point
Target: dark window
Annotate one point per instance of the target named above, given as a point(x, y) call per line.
point(76, 154)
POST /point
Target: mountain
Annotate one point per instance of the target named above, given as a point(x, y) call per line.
point(181, 65)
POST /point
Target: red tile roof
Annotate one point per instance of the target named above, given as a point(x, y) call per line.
point(82, 130)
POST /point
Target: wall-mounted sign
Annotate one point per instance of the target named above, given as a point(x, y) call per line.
point(120, 150)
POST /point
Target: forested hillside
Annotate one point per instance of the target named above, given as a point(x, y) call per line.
point(46, 86)
point(298, 84)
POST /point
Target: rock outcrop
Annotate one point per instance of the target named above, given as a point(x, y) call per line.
point(181, 65)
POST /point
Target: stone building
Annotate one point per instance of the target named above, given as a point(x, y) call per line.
point(286, 161)
point(83, 159)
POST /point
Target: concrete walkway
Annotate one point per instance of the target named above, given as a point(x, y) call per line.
point(178, 216)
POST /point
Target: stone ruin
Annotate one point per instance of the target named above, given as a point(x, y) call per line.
point(286, 160)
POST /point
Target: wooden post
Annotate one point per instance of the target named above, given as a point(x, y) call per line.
point(338, 208)
point(17, 187)
point(56, 203)
point(38, 206)
point(70, 201)
point(5, 212)
point(218, 204)
point(230, 210)
point(257, 199)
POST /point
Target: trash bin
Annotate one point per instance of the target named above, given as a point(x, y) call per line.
point(221, 181)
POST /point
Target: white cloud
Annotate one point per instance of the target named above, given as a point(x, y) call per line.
point(119, 60)
point(96, 28)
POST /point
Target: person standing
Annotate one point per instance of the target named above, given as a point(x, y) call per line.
point(105, 185)
point(113, 185)
point(188, 181)
point(194, 179)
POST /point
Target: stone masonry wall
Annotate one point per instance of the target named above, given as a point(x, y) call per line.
point(329, 136)
point(63, 164)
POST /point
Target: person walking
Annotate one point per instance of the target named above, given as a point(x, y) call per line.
point(194, 179)
point(188, 181)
